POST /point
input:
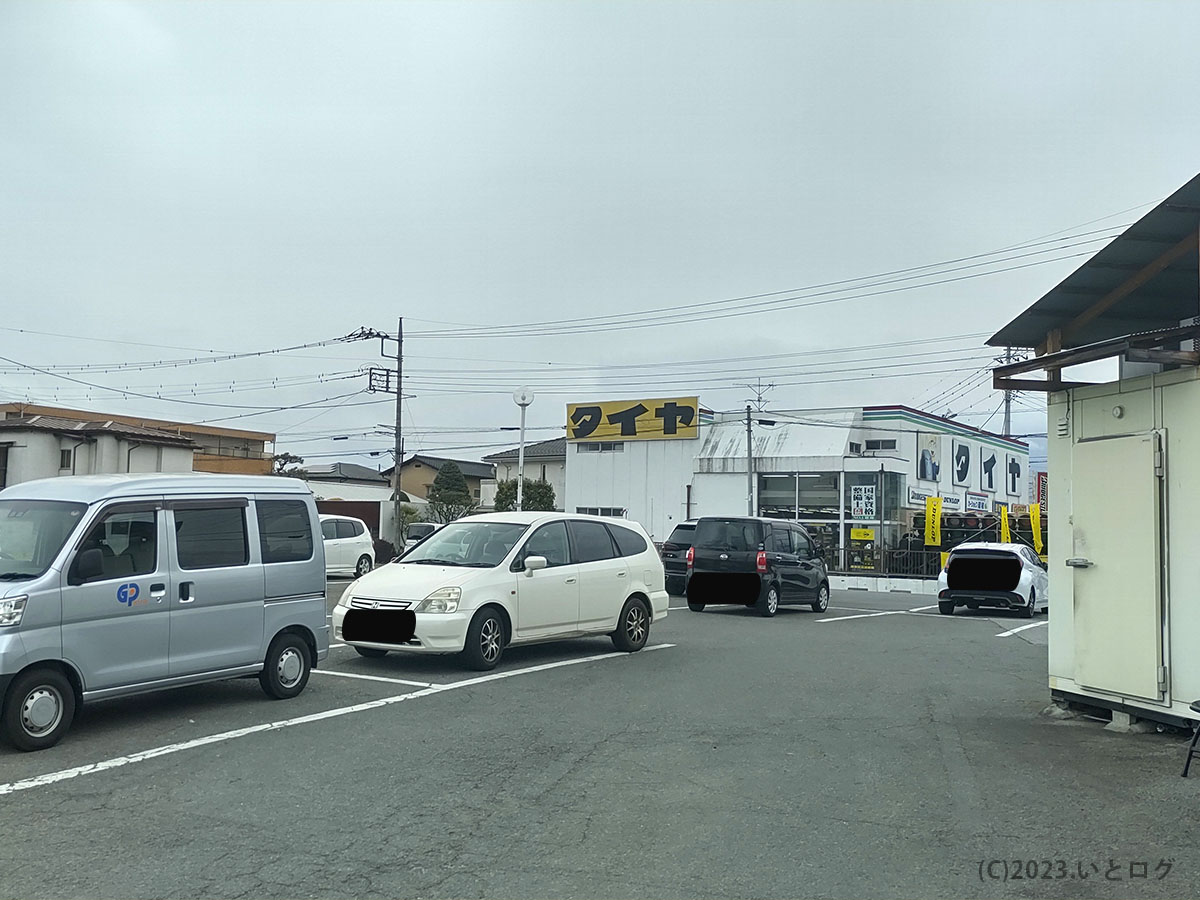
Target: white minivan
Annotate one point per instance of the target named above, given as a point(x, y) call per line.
point(482, 583)
point(113, 585)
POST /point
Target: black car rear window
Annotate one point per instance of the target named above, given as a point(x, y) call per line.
point(728, 534)
point(682, 535)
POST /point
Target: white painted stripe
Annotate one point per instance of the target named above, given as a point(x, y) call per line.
point(335, 646)
point(922, 608)
point(373, 678)
point(892, 612)
point(118, 761)
point(1022, 628)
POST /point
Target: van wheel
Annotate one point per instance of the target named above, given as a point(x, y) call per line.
point(768, 603)
point(363, 566)
point(695, 607)
point(286, 668)
point(633, 627)
point(946, 607)
point(822, 602)
point(485, 640)
point(38, 709)
point(1028, 612)
point(370, 652)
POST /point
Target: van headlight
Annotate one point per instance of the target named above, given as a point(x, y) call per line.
point(443, 600)
point(11, 610)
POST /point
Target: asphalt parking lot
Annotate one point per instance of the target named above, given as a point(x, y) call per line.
point(875, 750)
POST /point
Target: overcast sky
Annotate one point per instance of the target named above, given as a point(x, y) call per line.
point(188, 178)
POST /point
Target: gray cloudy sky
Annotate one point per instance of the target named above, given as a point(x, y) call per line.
point(183, 177)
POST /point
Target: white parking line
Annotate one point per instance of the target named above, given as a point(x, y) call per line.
point(1022, 628)
point(890, 612)
point(372, 678)
point(118, 761)
point(922, 608)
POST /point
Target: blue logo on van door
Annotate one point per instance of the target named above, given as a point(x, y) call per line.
point(129, 593)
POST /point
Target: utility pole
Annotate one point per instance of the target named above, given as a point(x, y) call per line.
point(1007, 398)
point(399, 434)
point(522, 397)
point(749, 465)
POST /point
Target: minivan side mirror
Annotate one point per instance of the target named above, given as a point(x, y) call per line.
point(533, 563)
point(88, 565)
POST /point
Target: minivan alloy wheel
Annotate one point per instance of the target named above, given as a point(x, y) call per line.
point(635, 623)
point(490, 639)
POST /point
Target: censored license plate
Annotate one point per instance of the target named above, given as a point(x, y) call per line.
point(379, 626)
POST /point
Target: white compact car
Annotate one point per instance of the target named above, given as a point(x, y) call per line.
point(1007, 576)
point(484, 582)
point(349, 547)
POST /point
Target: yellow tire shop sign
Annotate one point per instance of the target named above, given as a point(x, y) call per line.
point(670, 419)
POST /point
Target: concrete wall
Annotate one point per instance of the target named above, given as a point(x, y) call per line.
point(648, 478)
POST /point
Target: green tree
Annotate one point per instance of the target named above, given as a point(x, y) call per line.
point(283, 461)
point(408, 515)
point(538, 496)
point(449, 497)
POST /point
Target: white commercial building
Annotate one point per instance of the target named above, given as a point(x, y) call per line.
point(1123, 484)
point(854, 476)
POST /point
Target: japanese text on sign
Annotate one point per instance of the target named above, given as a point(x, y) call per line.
point(862, 501)
point(634, 420)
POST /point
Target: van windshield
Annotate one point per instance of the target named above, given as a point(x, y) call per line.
point(477, 545)
point(32, 532)
point(728, 534)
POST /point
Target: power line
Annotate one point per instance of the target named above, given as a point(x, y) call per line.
point(646, 319)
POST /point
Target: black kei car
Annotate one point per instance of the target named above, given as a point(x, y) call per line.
point(674, 556)
point(755, 562)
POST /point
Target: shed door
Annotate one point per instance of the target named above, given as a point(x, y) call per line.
point(1115, 508)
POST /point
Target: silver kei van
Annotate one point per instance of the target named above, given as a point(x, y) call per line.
point(119, 584)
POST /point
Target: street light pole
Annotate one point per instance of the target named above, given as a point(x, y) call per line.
point(522, 397)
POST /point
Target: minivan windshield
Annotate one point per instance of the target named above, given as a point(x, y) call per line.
point(728, 534)
point(32, 532)
point(478, 545)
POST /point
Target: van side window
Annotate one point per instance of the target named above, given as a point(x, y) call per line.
point(591, 541)
point(211, 537)
point(284, 530)
point(550, 541)
point(804, 547)
point(630, 543)
point(780, 542)
point(128, 543)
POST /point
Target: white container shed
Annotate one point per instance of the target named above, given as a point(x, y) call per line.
point(1124, 482)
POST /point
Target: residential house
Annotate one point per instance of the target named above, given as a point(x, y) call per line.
point(223, 450)
point(40, 446)
point(418, 472)
point(544, 461)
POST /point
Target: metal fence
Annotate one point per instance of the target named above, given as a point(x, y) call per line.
point(900, 563)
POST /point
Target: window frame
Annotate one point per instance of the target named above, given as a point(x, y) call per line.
point(518, 564)
point(177, 506)
point(73, 579)
point(572, 525)
point(262, 548)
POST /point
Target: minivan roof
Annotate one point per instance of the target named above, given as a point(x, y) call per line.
point(93, 488)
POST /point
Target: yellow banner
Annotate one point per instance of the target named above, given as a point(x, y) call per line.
point(862, 534)
point(1005, 531)
point(1035, 522)
point(945, 556)
point(933, 521)
point(669, 419)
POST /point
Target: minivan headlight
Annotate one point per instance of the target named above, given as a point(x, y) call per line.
point(11, 610)
point(443, 600)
